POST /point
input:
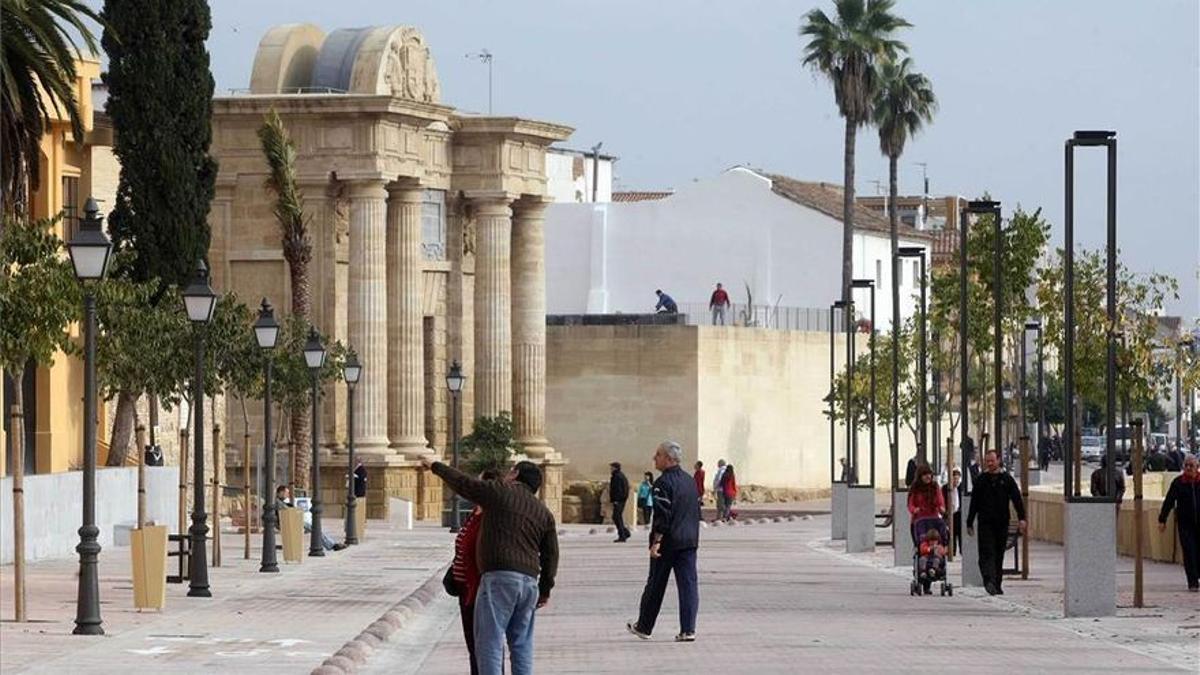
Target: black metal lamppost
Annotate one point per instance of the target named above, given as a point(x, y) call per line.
point(922, 364)
point(314, 357)
point(199, 301)
point(89, 251)
point(454, 383)
point(837, 306)
point(977, 207)
point(266, 333)
point(1108, 140)
point(351, 372)
point(869, 284)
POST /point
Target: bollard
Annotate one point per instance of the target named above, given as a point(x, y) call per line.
point(1138, 521)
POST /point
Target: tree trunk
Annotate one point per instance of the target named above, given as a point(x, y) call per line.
point(123, 423)
point(141, 477)
point(848, 213)
point(298, 269)
point(17, 435)
point(301, 446)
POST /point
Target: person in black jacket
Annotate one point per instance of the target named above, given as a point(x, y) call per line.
point(1184, 497)
point(618, 494)
point(674, 538)
point(990, 496)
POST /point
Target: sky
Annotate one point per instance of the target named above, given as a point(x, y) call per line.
point(682, 90)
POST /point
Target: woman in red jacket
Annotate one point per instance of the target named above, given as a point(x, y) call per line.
point(465, 571)
point(926, 506)
point(729, 487)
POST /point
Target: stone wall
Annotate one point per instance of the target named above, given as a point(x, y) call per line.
point(748, 395)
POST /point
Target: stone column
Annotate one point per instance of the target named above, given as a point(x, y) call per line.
point(405, 348)
point(529, 326)
point(367, 313)
point(493, 313)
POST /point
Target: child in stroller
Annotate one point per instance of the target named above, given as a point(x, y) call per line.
point(929, 558)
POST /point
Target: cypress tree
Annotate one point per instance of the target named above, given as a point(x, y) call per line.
point(160, 101)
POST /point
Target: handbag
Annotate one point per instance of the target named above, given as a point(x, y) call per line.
point(450, 583)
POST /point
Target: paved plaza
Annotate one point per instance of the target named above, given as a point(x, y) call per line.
point(775, 597)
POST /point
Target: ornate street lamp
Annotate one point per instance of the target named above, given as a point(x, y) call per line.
point(870, 284)
point(922, 361)
point(266, 333)
point(454, 383)
point(199, 301)
point(314, 356)
point(351, 372)
point(89, 251)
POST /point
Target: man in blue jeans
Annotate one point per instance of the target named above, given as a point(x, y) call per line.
point(674, 538)
point(518, 558)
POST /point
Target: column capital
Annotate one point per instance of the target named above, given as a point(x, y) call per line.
point(406, 192)
point(531, 206)
point(491, 202)
point(366, 186)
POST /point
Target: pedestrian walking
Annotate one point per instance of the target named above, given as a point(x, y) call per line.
point(718, 303)
point(729, 488)
point(718, 495)
point(674, 539)
point(646, 497)
point(464, 573)
point(1044, 452)
point(991, 494)
point(926, 505)
point(1184, 497)
point(360, 481)
point(666, 304)
point(518, 559)
point(952, 493)
point(618, 494)
point(1099, 485)
point(698, 475)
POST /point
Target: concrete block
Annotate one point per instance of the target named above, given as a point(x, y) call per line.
point(902, 543)
point(838, 508)
point(860, 519)
point(401, 511)
point(971, 576)
point(1090, 560)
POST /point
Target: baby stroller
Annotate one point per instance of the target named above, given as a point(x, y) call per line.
point(935, 570)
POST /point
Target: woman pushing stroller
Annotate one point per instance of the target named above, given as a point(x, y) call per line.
point(927, 508)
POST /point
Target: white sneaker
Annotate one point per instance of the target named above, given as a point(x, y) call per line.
point(633, 628)
point(685, 637)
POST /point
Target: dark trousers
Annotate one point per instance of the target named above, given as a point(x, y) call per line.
point(991, 537)
point(647, 514)
point(683, 563)
point(618, 517)
point(467, 612)
point(1189, 541)
point(957, 546)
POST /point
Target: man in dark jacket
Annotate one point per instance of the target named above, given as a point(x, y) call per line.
point(1184, 497)
point(674, 538)
point(518, 558)
point(618, 494)
point(990, 496)
point(1099, 483)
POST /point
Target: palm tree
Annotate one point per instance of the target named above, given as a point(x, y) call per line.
point(904, 102)
point(847, 50)
point(297, 250)
point(38, 55)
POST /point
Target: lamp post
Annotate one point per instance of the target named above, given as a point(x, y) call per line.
point(1036, 327)
point(837, 306)
point(870, 284)
point(314, 357)
point(454, 383)
point(978, 207)
point(199, 301)
point(351, 371)
point(89, 251)
point(922, 364)
point(266, 333)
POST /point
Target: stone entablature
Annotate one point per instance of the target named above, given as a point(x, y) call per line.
point(428, 243)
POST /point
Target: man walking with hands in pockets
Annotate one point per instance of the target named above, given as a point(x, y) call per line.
point(674, 538)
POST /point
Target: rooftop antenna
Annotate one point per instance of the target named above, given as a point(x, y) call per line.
point(484, 56)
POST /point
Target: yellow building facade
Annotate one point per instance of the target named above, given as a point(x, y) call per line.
point(70, 172)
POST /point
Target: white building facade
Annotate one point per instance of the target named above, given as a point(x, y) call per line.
point(768, 238)
point(569, 176)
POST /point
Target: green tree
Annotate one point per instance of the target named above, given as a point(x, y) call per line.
point(39, 297)
point(37, 53)
point(160, 100)
point(847, 48)
point(490, 445)
point(293, 229)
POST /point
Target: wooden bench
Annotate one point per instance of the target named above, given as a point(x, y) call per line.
point(183, 551)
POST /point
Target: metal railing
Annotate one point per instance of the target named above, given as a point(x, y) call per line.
point(760, 316)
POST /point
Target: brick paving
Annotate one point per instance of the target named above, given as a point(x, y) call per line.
point(285, 623)
point(779, 598)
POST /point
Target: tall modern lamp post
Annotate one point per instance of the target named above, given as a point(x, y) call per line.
point(89, 251)
point(922, 363)
point(454, 383)
point(837, 306)
point(314, 357)
point(266, 333)
point(351, 371)
point(199, 301)
point(870, 284)
point(980, 207)
point(1036, 327)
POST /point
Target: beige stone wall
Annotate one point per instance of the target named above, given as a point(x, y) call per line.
point(749, 396)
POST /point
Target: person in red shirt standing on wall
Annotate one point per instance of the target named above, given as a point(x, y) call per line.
point(718, 303)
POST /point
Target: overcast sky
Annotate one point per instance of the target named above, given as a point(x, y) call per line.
point(683, 90)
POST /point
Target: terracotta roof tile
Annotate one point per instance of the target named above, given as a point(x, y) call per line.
point(827, 198)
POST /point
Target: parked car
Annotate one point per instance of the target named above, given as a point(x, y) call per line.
point(1091, 448)
point(1158, 441)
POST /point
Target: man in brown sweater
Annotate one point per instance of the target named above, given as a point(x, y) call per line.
point(518, 558)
